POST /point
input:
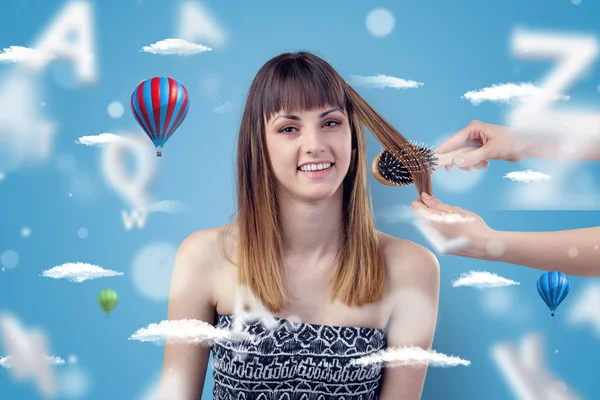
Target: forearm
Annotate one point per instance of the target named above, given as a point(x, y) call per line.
point(574, 252)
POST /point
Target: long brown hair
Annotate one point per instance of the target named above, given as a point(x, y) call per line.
point(304, 81)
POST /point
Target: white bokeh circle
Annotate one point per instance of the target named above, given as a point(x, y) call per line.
point(115, 109)
point(497, 301)
point(152, 270)
point(82, 233)
point(74, 382)
point(9, 259)
point(380, 22)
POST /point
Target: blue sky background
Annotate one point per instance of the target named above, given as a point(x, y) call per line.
point(452, 47)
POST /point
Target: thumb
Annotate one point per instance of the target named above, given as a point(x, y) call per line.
point(473, 157)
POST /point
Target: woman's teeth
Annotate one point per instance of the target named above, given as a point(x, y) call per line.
point(314, 167)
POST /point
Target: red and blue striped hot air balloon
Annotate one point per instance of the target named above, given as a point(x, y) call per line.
point(160, 105)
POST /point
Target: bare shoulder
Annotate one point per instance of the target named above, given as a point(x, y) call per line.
point(198, 257)
point(207, 245)
point(407, 261)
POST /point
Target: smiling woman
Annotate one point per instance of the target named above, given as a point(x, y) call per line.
point(304, 246)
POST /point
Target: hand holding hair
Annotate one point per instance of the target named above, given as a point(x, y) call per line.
point(545, 251)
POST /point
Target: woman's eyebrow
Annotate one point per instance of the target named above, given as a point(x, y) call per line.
point(297, 118)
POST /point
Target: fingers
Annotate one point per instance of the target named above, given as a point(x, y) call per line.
point(455, 141)
point(418, 205)
point(481, 165)
point(472, 158)
point(434, 203)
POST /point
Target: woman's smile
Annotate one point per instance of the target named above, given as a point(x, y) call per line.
point(316, 170)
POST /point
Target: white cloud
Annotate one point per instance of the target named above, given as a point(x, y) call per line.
point(28, 352)
point(189, 331)
point(446, 218)
point(18, 54)
point(411, 355)
point(482, 279)
point(438, 241)
point(527, 176)
point(572, 187)
point(382, 81)
point(508, 92)
point(178, 47)
point(223, 107)
point(168, 206)
point(79, 272)
point(103, 138)
point(6, 361)
point(398, 213)
point(403, 213)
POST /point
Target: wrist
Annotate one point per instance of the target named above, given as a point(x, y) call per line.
point(530, 149)
point(486, 245)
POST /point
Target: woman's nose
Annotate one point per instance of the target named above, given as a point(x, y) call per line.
point(313, 142)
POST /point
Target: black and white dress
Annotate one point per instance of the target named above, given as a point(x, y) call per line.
point(296, 361)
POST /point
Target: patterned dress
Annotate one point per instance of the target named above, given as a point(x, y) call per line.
point(296, 361)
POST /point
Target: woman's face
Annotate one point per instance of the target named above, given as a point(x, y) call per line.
point(310, 151)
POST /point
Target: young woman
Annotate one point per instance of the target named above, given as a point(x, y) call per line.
point(305, 246)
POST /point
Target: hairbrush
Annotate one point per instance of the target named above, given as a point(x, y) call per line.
point(396, 169)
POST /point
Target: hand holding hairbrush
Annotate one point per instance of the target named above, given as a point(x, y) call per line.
point(395, 170)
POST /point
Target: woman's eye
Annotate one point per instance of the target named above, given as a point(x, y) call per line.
point(287, 129)
point(331, 123)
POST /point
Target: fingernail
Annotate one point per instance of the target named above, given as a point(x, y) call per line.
point(459, 161)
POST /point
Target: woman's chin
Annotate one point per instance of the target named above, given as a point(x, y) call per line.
point(318, 194)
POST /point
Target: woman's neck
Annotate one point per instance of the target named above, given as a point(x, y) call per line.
point(312, 231)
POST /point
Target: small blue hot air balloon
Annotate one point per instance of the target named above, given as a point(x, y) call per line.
point(553, 287)
point(160, 105)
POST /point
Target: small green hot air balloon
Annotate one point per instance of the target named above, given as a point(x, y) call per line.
point(108, 299)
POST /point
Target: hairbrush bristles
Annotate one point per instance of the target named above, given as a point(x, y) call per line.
point(396, 169)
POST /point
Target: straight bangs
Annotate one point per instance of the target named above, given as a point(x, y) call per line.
point(296, 84)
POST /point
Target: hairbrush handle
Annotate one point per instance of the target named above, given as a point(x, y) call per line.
point(445, 159)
